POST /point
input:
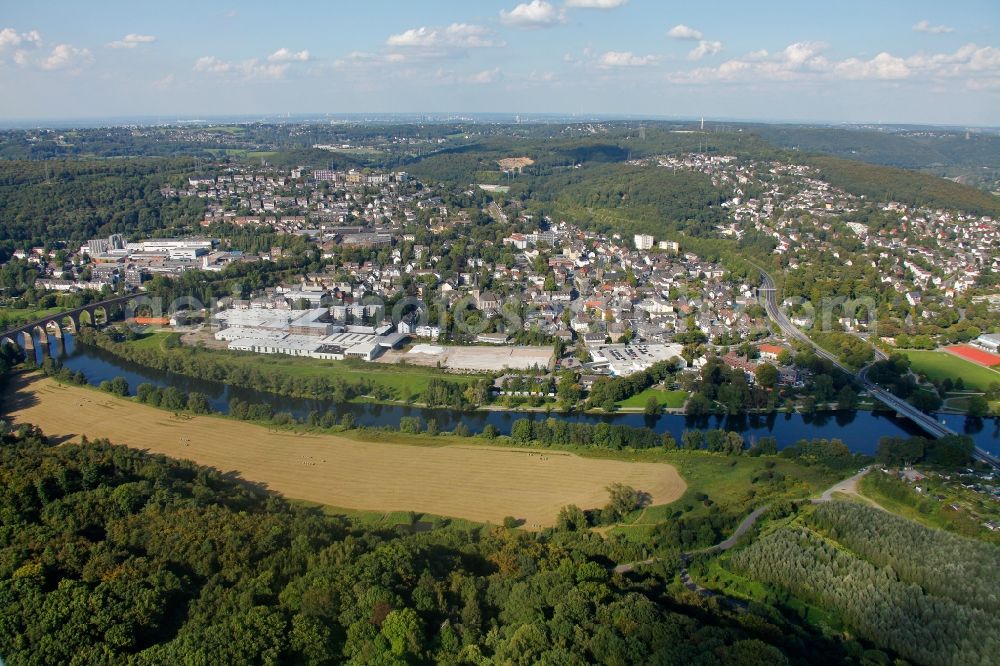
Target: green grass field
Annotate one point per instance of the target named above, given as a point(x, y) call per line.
point(728, 483)
point(152, 340)
point(938, 366)
point(489, 177)
point(670, 399)
point(14, 317)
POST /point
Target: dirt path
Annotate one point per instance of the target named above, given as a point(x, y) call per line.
point(848, 487)
point(477, 482)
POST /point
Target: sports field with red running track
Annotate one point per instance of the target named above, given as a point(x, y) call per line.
point(974, 354)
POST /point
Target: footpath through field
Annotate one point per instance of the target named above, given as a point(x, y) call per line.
point(846, 487)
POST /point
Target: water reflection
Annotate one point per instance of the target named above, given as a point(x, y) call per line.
point(863, 433)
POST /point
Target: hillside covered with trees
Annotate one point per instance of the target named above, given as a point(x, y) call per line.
point(883, 183)
point(110, 555)
point(42, 202)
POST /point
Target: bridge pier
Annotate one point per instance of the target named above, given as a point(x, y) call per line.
point(55, 327)
point(27, 340)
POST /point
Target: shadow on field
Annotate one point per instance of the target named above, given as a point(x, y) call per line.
point(17, 394)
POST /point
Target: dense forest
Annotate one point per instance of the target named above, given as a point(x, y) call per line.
point(883, 183)
point(110, 555)
point(43, 202)
point(928, 595)
point(943, 564)
point(629, 199)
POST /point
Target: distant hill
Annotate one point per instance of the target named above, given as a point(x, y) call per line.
point(885, 183)
point(910, 149)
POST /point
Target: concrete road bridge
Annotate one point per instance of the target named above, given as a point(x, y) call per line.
point(767, 294)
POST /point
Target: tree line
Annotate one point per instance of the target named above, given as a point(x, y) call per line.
point(952, 451)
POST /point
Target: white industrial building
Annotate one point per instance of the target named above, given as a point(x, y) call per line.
point(174, 248)
point(311, 333)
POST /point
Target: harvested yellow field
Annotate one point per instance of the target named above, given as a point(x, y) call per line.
point(467, 481)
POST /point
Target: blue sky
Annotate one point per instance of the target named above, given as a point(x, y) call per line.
point(874, 61)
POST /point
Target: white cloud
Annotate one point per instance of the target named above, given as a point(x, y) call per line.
point(414, 37)
point(968, 60)
point(985, 59)
point(211, 64)
point(801, 53)
point(164, 82)
point(534, 14)
point(456, 35)
point(882, 66)
point(20, 44)
point(426, 43)
point(66, 56)
point(249, 69)
point(130, 41)
point(284, 55)
point(11, 37)
point(360, 59)
point(253, 69)
point(977, 66)
point(625, 59)
point(485, 76)
point(595, 4)
point(983, 84)
point(795, 60)
point(681, 31)
point(704, 48)
point(275, 66)
point(925, 26)
point(542, 77)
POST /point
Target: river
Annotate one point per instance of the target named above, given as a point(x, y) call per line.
point(860, 430)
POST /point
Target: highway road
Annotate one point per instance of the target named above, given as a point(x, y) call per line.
point(928, 423)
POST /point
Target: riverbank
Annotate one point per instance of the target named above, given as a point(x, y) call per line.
point(284, 375)
point(860, 430)
point(469, 481)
